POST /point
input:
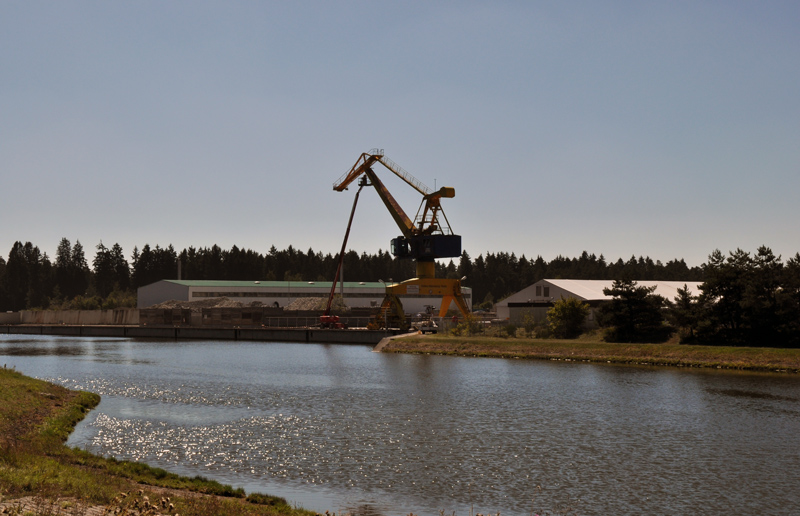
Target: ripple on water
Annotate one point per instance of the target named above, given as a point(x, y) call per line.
point(424, 433)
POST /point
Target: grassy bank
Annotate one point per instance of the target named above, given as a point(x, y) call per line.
point(592, 349)
point(39, 475)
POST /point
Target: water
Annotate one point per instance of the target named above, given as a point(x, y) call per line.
point(342, 429)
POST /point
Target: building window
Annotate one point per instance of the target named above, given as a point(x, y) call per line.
point(546, 291)
point(538, 291)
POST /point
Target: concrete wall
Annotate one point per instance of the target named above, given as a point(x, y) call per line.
point(305, 335)
point(121, 316)
point(9, 318)
point(159, 292)
point(366, 297)
point(517, 315)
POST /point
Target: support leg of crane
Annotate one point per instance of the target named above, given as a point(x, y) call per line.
point(460, 304)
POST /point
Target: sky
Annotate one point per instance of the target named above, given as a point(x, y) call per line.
point(622, 128)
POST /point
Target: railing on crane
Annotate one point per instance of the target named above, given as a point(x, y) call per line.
point(399, 171)
point(404, 175)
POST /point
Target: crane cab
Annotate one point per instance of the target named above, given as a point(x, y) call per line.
point(427, 247)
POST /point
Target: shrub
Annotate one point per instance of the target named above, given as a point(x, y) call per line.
point(470, 325)
point(566, 317)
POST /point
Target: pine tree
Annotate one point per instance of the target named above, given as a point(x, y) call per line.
point(634, 314)
point(103, 269)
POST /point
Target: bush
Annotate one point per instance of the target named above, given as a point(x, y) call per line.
point(542, 330)
point(566, 317)
point(262, 499)
point(529, 324)
point(469, 326)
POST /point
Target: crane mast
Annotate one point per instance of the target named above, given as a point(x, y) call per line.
point(424, 239)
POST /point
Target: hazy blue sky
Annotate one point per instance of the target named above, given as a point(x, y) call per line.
point(662, 129)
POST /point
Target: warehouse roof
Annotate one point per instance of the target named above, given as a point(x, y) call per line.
point(592, 290)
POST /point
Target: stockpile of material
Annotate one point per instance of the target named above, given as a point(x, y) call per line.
point(197, 306)
point(316, 303)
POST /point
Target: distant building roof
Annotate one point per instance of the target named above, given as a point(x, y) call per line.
point(592, 290)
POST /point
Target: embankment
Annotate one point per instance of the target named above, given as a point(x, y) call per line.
point(678, 355)
point(303, 335)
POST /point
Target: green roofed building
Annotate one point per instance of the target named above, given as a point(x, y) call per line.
point(280, 293)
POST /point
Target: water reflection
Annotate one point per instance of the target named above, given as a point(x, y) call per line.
point(339, 428)
point(738, 393)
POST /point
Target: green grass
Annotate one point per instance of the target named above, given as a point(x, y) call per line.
point(591, 348)
point(35, 419)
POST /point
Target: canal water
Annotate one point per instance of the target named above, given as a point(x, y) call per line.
point(338, 428)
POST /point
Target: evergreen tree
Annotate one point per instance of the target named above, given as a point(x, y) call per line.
point(3, 294)
point(749, 300)
point(103, 268)
point(72, 272)
point(16, 279)
point(634, 314)
point(79, 269)
point(791, 293)
point(722, 297)
point(684, 313)
point(122, 271)
point(763, 302)
point(24, 282)
point(465, 267)
point(142, 266)
point(63, 268)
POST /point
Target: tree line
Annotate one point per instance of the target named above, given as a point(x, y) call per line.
point(30, 280)
point(744, 299)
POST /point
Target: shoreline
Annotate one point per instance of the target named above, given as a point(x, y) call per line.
point(307, 335)
point(772, 360)
point(39, 474)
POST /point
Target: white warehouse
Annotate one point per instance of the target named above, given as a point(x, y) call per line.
point(540, 296)
point(281, 293)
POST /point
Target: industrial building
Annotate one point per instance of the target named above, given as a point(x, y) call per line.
point(282, 293)
point(539, 297)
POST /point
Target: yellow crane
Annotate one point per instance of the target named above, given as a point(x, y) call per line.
point(424, 239)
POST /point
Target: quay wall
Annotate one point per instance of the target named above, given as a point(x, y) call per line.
point(302, 335)
point(118, 316)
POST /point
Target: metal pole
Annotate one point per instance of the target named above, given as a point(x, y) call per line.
point(361, 185)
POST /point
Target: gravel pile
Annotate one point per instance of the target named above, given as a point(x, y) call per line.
point(315, 303)
point(197, 306)
point(301, 303)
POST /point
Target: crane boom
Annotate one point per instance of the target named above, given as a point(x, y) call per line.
point(423, 238)
point(368, 159)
